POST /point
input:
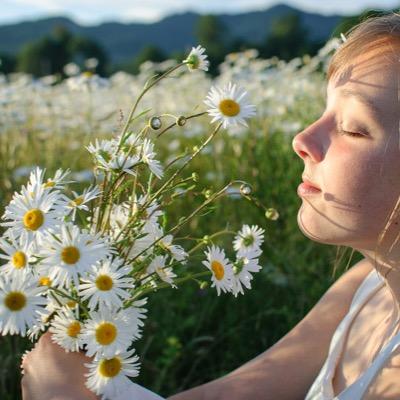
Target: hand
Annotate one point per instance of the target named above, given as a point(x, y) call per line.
point(52, 374)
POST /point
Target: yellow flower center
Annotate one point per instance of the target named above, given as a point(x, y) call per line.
point(19, 260)
point(74, 329)
point(106, 333)
point(70, 255)
point(104, 282)
point(49, 184)
point(110, 368)
point(76, 202)
point(15, 301)
point(229, 107)
point(33, 219)
point(161, 273)
point(218, 270)
point(71, 303)
point(44, 281)
point(87, 74)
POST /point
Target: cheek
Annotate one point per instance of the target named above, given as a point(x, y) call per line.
point(348, 176)
point(366, 183)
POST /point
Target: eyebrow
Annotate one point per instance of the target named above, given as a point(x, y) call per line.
point(362, 99)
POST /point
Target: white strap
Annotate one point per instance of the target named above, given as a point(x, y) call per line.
point(359, 387)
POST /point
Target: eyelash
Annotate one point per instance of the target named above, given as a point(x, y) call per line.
point(348, 133)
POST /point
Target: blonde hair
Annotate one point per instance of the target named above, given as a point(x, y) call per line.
point(368, 34)
point(371, 33)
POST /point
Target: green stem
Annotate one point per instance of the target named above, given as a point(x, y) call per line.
point(202, 243)
point(167, 285)
point(176, 227)
point(175, 123)
point(63, 294)
point(144, 91)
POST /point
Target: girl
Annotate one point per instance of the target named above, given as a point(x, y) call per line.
point(346, 347)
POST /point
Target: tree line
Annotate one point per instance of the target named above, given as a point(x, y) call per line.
point(287, 38)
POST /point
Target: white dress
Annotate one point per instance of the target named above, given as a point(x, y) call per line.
point(136, 392)
point(322, 388)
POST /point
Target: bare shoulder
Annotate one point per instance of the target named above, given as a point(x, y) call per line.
point(339, 296)
point(356, 274)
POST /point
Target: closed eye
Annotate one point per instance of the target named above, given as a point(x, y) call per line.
point(349, 133)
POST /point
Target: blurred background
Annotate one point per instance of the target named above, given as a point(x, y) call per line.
point(69, 72)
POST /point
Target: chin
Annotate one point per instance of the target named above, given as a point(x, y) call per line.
point(320, 232)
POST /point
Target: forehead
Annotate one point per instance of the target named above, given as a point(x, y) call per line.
point(373, 75)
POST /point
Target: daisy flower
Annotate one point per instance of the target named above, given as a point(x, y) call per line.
point(134, 316)
point(248, 239)
point(69, 254)
point(36, 178)
point(79, 201)
point(20, 303)
point(148, 158)
point(229, 105)
point(146, 237)
point(109, 158)
point(221, 268)
point(122, 162)
point(105, 284)
point(66, 329)
point(119, 217)
point(197, 59)
point(109, 376)
point(177, 252)
point(245, 264)
point(103, 151)
point(106, 333)
point(18, 254)
point(38, 328)
point(57, 182)
point(57, 302)
point(157, 265)
point(33, 213)
point(152, 212)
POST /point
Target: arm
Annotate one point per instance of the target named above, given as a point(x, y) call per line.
point(288, 369)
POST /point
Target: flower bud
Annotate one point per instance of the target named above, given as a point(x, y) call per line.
point(272, 214)
point(207, 193)
point(206, 239)
point(245, 189)
point(195, 177)
point(181, 121)
point(203, 285)
point(155, 123)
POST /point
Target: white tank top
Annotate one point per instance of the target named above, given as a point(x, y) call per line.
point(322, 388)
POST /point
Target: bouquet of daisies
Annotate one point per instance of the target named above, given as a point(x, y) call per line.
point(82, 265)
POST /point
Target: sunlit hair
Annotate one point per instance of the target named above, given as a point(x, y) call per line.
point(381, 32)
point(369, 34)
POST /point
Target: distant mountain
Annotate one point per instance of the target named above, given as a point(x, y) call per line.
point(173, 33)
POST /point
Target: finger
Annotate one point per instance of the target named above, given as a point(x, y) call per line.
point(25, 360)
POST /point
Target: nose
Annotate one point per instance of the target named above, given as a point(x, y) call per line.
point(308, 144)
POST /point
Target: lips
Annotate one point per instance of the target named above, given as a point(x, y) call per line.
point(310, 183)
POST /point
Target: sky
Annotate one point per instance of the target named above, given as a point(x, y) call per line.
point(91, 12)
